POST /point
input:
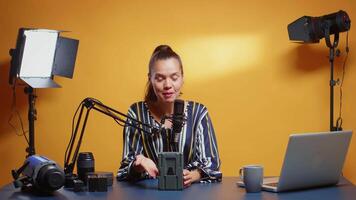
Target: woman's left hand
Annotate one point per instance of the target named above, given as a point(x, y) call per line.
point(190, 177)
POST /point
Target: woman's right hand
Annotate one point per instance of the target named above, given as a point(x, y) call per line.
point(143, 164)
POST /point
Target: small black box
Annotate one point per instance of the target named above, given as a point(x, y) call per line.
point(98, 182)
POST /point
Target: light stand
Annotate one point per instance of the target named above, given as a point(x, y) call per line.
point(332, 81)
point(39, 55)
point(31, 120)
point(310, 30)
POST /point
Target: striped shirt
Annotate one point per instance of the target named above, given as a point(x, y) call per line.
point(197, 141)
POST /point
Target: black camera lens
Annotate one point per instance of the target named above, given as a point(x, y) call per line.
point(85, 164)
point(50, 178)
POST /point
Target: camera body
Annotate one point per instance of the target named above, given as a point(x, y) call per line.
point(39, 173)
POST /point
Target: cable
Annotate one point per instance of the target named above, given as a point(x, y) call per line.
point(72, 134)
point(339, 119)
point(92, 103)
point(107, 110)
point(73, 121)
point(15, 110)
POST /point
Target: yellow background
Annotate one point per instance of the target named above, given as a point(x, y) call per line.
point(259, 87)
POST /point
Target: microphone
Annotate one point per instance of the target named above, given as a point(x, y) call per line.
point(177, 122)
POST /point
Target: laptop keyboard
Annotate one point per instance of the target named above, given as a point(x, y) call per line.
point(271, 184)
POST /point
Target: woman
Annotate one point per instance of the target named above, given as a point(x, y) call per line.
point(197, 140)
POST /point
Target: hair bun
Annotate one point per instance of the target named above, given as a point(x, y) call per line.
point(162, 47)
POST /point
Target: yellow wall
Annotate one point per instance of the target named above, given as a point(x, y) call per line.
point(259, 87)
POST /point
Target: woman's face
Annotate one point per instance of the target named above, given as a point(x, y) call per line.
point(166, 79)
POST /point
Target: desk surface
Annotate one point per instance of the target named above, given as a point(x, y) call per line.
point(227, 189)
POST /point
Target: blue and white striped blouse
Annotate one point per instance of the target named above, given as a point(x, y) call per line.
point(197, 142)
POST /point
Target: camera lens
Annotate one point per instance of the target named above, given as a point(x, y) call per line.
point(85, 164)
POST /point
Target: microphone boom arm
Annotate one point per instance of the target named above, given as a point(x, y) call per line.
point(89, 104)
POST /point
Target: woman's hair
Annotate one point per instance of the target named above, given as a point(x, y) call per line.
point(162, 52)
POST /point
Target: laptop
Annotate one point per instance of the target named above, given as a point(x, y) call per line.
point(311, 160)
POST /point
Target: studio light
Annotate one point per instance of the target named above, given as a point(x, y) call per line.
point(40, 54)
point(310, 30)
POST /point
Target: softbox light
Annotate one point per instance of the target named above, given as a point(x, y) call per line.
point(39, 55)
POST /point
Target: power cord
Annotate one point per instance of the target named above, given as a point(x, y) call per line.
point(347, 49)
point(74, 118)
point(15, 111)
